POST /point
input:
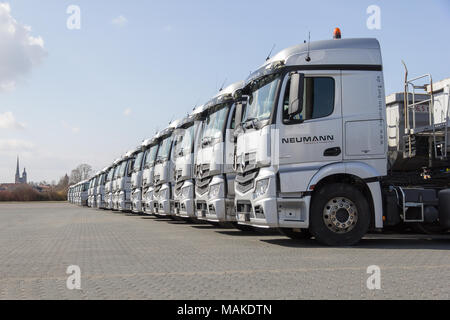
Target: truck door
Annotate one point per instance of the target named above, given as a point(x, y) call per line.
point(311, 138)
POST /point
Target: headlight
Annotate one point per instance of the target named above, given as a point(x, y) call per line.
point(261, 187)
point(214, 191)
point(185, 192)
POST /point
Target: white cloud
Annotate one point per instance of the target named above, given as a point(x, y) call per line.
point(20, 52)
point(8, 121)
point(120, 21)
point(70, 127)
point(127, 112)
point(15, 145)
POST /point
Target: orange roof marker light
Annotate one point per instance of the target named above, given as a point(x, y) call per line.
point(337, 33)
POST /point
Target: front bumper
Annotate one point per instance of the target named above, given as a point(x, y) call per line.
point(270, 211)
point(184, 208)
point(220, 210)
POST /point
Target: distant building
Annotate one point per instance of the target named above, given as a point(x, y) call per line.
point(20, 179)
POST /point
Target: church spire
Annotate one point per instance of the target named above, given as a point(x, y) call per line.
point(17, 168)
point(17, 178)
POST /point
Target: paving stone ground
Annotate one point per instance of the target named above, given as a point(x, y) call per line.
point(124, 256)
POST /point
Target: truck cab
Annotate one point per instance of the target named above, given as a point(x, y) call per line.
point(163, 178)
point(214, 188)
point(109, 186)
point(93, 191)
point(314, 120)
point(83, 197)
point(185, 137)
point(124, 182)
point(136, 179)
point(100, 203)
point(90, 189)
point(151, 148)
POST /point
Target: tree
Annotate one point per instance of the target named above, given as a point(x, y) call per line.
point(80, 173)
point(63, 183)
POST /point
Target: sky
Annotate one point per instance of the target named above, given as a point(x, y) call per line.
point(89, 94)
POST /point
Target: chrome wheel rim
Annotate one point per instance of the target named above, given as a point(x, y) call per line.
point(340, 215)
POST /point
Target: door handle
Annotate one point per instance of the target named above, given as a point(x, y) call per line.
point(332, 152)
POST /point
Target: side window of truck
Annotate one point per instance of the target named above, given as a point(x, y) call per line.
point(318, 100)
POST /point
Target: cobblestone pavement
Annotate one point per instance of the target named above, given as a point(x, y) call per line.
point(124, 256)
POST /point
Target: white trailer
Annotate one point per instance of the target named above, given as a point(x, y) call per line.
point(312, 149)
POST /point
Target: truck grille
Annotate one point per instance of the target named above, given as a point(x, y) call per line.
point(202, 170)
point(178, 188)
point(201, 185)
point(245, 181)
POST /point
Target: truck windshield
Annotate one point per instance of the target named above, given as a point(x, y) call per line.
point(183, 141)
point(262, 98)
point(214, 124)
point(164, 149)
point(116, 172)
point(110, 174)
point(123, 169)
point(138, 162)
point(151, 155)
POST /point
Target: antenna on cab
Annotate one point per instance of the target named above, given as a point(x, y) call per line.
point(308, 58)
point(270, 53)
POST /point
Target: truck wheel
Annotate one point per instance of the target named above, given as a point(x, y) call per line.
point(340, 215)
point(296, 234)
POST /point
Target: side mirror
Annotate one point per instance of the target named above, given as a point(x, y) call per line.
point(296, 93)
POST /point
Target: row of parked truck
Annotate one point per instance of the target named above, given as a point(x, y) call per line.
point(308, 144)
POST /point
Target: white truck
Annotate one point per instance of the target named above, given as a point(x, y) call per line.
point(100, 191)
point(185, 149)
point(82, 195)
point(151, 146)
point(312, 147)
point(124, 182)
point(214, 161)
point(136, 179)
point(90, 190)
point(110, 185)
point(93, 191)
point(163, 178)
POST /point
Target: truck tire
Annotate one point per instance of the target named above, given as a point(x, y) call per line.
point(296, 234)
point(340, 215)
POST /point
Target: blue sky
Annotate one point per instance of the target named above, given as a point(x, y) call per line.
point(96, 92)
